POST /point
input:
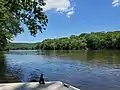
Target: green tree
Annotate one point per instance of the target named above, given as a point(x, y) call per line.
point(85, 41)
point(13, 13)
point(117, 44)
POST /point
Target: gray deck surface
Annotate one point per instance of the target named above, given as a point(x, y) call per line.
point(54, 85)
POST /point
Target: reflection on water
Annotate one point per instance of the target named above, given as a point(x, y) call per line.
point(88, 70)
point(2, 65)
point(5, 77)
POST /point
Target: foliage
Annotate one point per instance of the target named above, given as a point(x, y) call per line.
point(85, 41)
point(15, 12)
point(22, 46)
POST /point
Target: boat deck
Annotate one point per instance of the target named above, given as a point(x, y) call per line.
point(54, 85)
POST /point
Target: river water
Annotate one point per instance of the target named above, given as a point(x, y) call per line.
point(87, 70)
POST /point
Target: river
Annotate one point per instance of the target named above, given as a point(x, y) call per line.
point(87, 70)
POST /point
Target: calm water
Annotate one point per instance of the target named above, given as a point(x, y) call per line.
point(87, 70)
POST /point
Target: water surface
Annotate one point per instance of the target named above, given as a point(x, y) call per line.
point(87, 70)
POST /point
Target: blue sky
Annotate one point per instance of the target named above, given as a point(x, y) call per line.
point(72, 17)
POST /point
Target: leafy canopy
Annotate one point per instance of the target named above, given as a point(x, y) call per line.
point(15, 12)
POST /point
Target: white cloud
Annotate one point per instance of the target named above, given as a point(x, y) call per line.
point(70, 12)
point(64, 6)
point(116, 3)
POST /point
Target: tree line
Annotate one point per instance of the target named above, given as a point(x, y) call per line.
point(85, 41)
point(22, 46)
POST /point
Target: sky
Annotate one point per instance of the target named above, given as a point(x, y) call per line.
point(73, 17)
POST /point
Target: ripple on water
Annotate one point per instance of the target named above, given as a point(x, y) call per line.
point(88, 72)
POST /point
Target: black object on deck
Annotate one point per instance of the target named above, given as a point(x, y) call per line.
point(41, 80)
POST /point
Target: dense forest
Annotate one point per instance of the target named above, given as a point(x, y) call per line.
point(22, 46)
point(85, 41)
